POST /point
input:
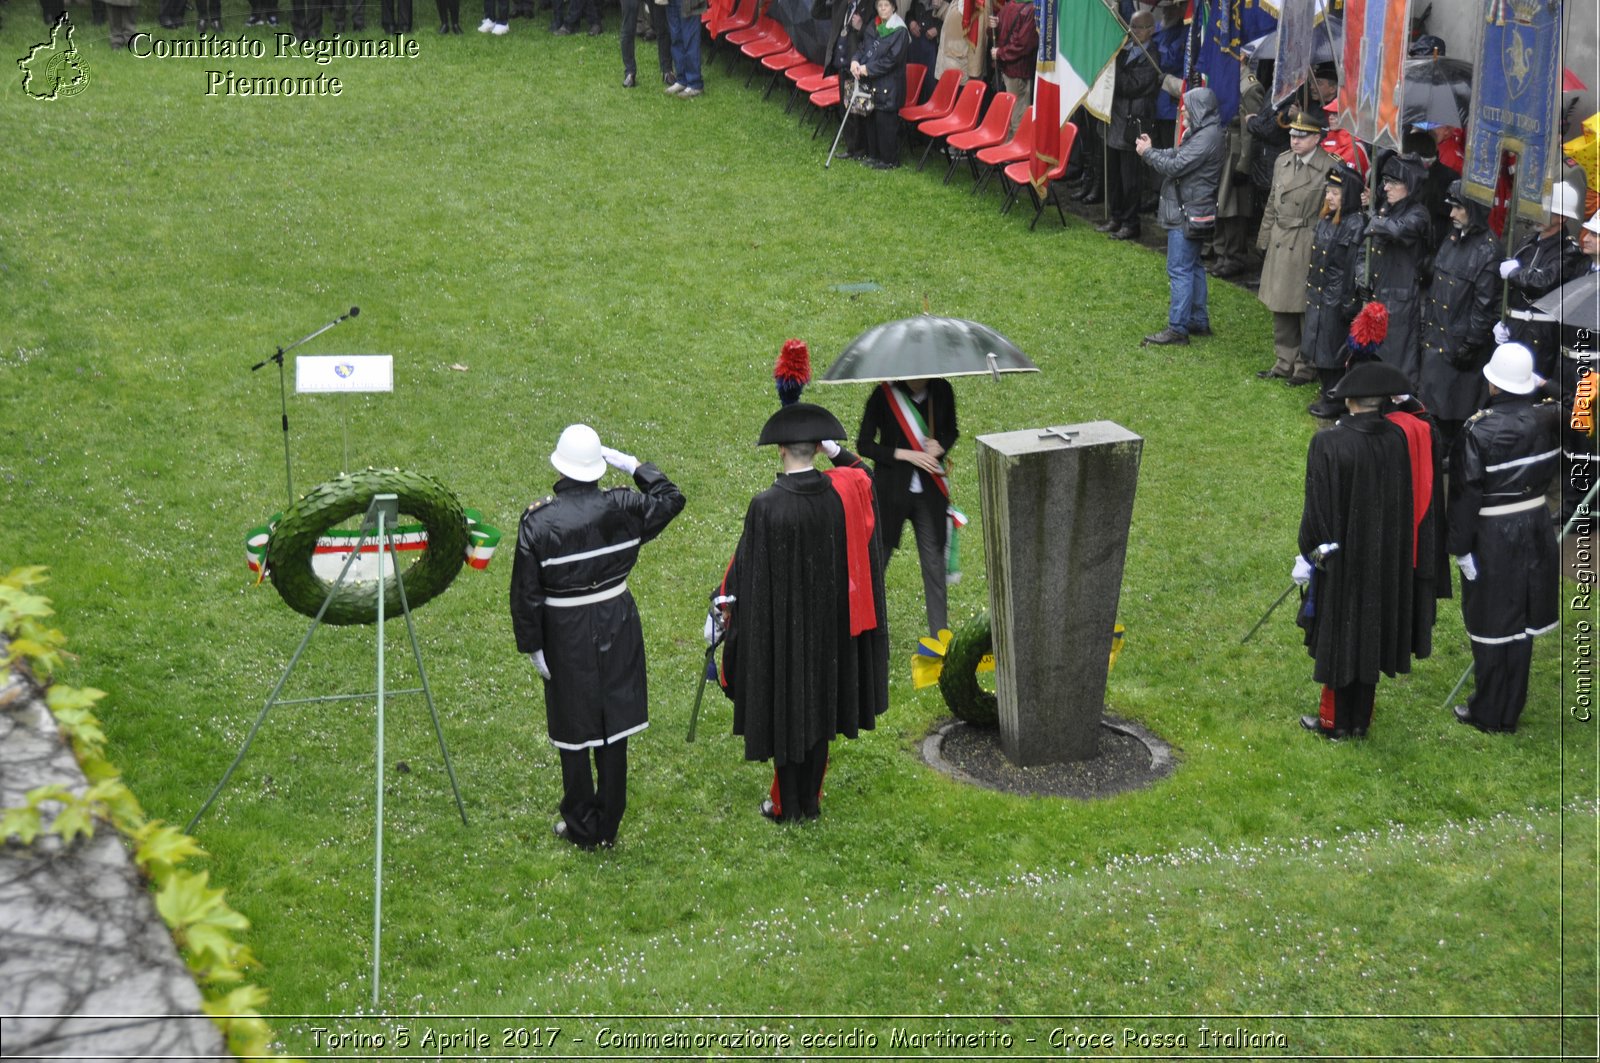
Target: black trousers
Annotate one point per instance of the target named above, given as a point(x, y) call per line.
point(1347, 708)
point(883, 135)
point(579, 9)
point(630, 29)
point(926, 512)
point(396, 16)
point(1500, 682)
point(307, 19)
point(449, 13)
point(1124, 170)
point(353, 10)
point(593, 803)
point(800, 784)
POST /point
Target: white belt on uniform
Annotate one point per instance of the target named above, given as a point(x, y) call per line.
point(1511, 507)
point(587, 599)
point(1529, 315)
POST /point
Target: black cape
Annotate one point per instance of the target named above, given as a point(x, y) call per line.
point(1358, 615)
point(789, 664)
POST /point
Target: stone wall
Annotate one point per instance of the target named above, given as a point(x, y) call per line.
point(87, 968)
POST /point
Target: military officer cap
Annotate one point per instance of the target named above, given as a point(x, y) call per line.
point(800, 422)
point(1372, 380)
point(1305, 122)
point(1454, 196)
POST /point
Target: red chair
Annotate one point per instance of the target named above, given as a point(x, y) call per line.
point(939, 104)
point(772, 40)
point(733, 15)
point(963, 117)
point(996, 124)
point(750, 29)
point(779, 64)
point(1020, 146)
point(915, 74)
point(1018, 174)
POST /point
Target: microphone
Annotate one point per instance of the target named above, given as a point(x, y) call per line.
point(354, 311)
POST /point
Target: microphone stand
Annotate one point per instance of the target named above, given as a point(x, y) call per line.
point(283, 388)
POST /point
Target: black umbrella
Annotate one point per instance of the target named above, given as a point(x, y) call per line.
point(1436, 92)
point(1576, 304)
point(926, 346)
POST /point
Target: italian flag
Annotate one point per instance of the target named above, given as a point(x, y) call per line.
point(1077, 39)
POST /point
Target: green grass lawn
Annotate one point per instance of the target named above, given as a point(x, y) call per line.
point(535, 245)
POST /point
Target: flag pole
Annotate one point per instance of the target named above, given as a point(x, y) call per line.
point(1144, 49)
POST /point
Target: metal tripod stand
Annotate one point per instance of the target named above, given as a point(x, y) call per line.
point(383, 514)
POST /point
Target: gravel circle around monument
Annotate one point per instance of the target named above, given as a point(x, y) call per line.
point(1130, 758)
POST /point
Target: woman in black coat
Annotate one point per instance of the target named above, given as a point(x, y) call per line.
point(1401, 237)
point(1331, 302)
point(880, 65)
point(1458, 316)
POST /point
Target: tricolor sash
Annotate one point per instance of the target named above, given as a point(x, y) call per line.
point(914, 428)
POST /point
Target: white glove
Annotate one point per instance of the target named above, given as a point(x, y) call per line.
point(537, 657)
point(1508, 267)
point(618, 460)
point(1172, 85)
point(830, 448)
point(1501, 333)
point(1468, 567)
point(1324, 550)
point(1302, 571)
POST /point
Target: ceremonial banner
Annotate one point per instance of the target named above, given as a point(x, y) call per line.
point(1374, 69)
point(1077, 38)
point(1297, 45)
point(1223, 28)
point(1516, 93)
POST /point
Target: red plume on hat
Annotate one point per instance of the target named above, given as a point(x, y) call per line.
point(793, 371)
point(1367, 332)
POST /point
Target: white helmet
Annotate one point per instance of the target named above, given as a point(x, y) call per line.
point(1593, 224)
point(1510, 369)
point(1564, 201)
point(577, 454)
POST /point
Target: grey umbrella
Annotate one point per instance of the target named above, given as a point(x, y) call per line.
point(1576, 304)
point(1266, 46)
point(926, 346)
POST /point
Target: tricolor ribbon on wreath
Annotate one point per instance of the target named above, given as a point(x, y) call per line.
point(916, 430)
point(334, 545)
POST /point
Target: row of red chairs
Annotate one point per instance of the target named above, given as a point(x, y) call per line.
point(951, 113)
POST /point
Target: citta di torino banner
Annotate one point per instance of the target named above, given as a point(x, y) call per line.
point(1516, 97)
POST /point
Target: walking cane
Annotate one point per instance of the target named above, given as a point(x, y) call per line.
point(856, 93)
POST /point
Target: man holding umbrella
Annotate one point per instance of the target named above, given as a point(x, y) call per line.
point(907, 429)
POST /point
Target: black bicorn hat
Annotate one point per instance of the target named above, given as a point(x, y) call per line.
point(1370, 380)
point(800, 422)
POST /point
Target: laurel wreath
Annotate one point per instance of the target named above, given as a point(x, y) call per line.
point(294, 542)
point(958, 680)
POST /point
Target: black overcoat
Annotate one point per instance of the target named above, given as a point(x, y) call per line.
point(1500, 468)
point(1401, 240)
point(1331, 302)
point(569, 598)
point(1458, 316)
point(787, 660)
point(1358, 612)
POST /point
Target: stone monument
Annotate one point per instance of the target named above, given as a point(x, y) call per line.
point(1057, 503)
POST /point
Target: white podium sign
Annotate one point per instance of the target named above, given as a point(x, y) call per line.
point(319, 373)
